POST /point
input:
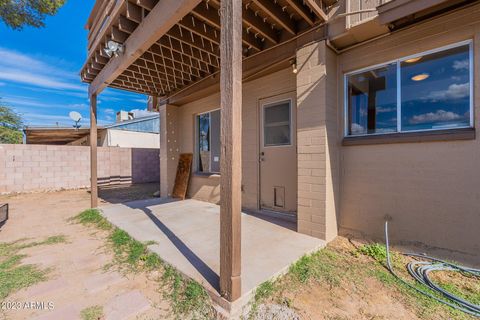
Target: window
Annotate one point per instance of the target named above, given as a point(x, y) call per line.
point(208, 140)
point(428, 91)
point(276, 124)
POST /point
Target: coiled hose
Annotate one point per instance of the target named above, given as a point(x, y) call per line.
point(420, 271)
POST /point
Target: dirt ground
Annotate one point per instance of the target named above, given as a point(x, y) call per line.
point(77, 278)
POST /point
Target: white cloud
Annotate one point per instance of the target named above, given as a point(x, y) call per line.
point(454, 91)
point(24, 69)
point(384, 110)
point(439, 115)
point(138, 113)
point(109, 111)
point(78, 106)
point(357, 129)
point(461, 64)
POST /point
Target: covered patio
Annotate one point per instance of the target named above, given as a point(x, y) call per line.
point(186, 236)
point(175, 51)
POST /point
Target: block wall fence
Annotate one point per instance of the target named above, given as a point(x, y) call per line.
point(35, 168)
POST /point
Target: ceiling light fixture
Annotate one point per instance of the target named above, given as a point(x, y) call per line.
point(420, 77)
point(413, 60)
point(113, 48)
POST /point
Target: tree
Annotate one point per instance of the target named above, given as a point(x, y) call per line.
point(11, 124)
point(18, 13)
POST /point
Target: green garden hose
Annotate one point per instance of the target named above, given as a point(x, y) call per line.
point(420, 270)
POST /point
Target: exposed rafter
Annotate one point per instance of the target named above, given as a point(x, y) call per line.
point(189, 50)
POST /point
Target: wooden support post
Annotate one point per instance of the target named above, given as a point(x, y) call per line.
point(93, 151)
point(231, 150)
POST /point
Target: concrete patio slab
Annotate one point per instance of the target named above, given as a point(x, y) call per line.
point(187, 234)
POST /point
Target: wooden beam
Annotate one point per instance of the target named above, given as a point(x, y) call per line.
point(250, 19)
point(147, 4)
point(163, 17)
point(263, 61)
point(118, 35)
point(134, 12)
point(197, 27)
point(259, 26)
point(212, 18)
point(93, 152)
point(277, 15)
point(126, 25)
point(301, 10)
point(317, 9)
point(231, 154)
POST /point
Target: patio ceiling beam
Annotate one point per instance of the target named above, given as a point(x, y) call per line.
point(255, 22)
point(195, 26)
point(147, 4)
point(317, 9)
point(301, 10)
point(212, 18)
point(162, 17)
point(134, 12)
point(231, 152)
point(277, 15)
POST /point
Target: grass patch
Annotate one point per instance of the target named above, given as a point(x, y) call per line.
point(344, 269)
point(188, 298)
point(92, 313)
point(93, 216)
point(13, 275)
point(319, 266)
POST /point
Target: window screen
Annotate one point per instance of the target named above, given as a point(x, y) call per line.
point(277, 124)
point(208, 139)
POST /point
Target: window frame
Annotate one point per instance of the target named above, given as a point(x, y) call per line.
point(197, 142)
point(272, 104)
point(398, 62)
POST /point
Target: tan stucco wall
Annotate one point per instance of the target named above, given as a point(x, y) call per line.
point(207, 187)
point(432, 190)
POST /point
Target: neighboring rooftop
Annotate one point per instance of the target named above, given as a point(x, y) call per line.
point(65, 135)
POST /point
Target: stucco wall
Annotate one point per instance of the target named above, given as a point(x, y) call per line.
point(29, 168)
point(432, 190)
point(132, 139)
point(122, 139)
point(207, 187)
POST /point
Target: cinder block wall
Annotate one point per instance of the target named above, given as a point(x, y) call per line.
point(431, 189)
point(30, 168)
point(318, 145)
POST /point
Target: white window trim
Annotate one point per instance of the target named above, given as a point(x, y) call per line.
point(399, 89)
point(271, 104)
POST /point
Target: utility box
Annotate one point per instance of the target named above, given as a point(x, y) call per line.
point(3, 213)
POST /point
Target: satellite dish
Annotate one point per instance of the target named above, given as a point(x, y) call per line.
point(75, 116)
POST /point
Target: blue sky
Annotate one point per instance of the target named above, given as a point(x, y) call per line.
point(39, 71)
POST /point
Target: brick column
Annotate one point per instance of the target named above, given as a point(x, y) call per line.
point(168, 148)
point(317, 140)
